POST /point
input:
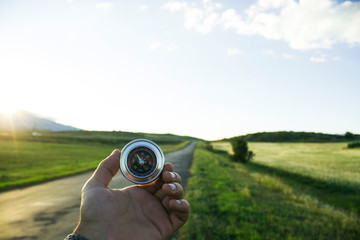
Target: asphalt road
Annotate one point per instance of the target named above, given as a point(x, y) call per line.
point(51, 210)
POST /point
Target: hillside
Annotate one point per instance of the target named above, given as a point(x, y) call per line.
point(284, 136)
point(25, 126)
point(113, 138)
point(22, 120)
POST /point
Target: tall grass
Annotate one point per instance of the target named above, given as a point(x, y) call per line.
point(330, 162)
point(328, 171)
point(235, 201)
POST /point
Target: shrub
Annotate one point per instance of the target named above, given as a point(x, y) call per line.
point(354, 145)
point(209, 147)
point(251, 154)
point(241, 151)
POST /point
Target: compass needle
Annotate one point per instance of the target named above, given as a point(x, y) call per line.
point(141, 161)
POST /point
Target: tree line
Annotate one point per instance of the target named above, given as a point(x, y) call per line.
point(289, 136)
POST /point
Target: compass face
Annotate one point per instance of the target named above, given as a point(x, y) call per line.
point(141, 161)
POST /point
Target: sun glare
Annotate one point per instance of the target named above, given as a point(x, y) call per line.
point(7, 109)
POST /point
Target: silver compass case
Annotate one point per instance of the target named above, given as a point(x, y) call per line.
point(128, 151)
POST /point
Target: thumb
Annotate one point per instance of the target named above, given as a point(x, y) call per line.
point(106, 169)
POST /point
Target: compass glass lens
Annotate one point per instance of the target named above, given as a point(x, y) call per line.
point(141, 161)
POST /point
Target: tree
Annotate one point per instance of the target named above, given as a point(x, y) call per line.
point(241, 151)
point(349, 135)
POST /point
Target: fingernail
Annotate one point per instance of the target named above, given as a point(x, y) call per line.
point(172, 186)
point(178, 202)
point(172, 175)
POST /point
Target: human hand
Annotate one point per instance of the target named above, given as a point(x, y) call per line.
point(152, 211)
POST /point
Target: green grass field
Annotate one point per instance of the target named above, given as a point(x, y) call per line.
point(272, 198)
point(23, 163)
point(329, 162)
point(329, 171)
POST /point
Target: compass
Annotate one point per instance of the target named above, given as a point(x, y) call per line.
point(141, 161)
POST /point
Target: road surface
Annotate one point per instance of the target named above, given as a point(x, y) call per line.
point(50, 210)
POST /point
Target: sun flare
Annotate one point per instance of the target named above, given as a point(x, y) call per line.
point(8, 109)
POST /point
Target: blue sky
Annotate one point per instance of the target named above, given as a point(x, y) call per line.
point(210, 69)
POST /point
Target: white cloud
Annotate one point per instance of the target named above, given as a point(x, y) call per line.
point(171, 47)
point(304, 24)
point(168, 46)
point(104, 5)
point(154, 46)
point(273, 54)
point(143, 8)
point(173, 6)
point(270, 52)
point(318, 59)
point(201, 19)
point(287, 56)
point(69, 1)
point(323, 58)
point(234, 51)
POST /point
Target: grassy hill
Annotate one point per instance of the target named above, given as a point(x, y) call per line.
point(26, 159)
point(284, 136)
point(113, 138)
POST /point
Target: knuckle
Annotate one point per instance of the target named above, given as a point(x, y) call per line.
point(179, 188)
point(178, 177)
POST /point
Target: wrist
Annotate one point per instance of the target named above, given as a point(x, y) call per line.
point(74, 236)
point(91, 230)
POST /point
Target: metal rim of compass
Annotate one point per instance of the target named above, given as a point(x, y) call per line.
point(160, 160)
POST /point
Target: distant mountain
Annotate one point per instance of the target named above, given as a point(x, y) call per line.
point(22, 120)
point(284, 136)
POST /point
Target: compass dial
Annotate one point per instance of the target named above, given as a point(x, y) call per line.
point(141, 161)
